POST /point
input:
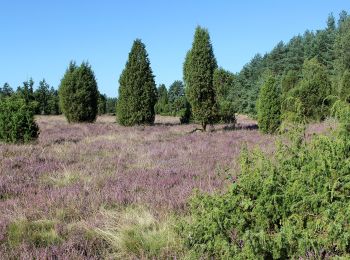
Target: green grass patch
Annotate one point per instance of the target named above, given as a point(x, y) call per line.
point(62, 179)
point(39, 233)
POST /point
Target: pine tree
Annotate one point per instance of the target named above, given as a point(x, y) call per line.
point(199, 68)
point(53, 103)
point(342, 48)
point(277, 59)
point(27, 92)
point(42, 96)
point(295, 54)
point(137, 89)
point(269, 106)
point(6, 91)
point(79, 94)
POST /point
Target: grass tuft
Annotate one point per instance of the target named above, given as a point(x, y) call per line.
point(40, 233)
point(136, 232)
point(62, 180)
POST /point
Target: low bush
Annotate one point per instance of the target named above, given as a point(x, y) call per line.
point(185, 113)
point(294, 204)
point(17, 123)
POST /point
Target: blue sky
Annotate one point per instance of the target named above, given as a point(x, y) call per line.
point(39, 38)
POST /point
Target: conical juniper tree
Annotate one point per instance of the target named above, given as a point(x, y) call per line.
point(78, 93)
point(199, 67)
point(137, 89)
point(269, 106)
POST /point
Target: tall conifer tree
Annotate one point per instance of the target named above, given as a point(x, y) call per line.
point(199, 67)
point(137, 89)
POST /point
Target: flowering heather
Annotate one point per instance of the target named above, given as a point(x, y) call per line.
point(74, 171)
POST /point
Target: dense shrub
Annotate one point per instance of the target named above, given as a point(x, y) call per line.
point(226, 97)
point(185, 113)
point(79, 94)
point(199, 67)
point(178, 103)
point(293, 205)
point(345, 86)
point(269, 106)
point(289, 81)
point(111, 105)
point(313, 90)
point(102, 104)
point(17, 123)
point(137, 89)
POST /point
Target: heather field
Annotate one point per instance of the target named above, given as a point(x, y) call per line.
point(66, 194)
point(74, 174)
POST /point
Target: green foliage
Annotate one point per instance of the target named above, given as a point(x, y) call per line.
point(102, 104)
point(27, 92)
point(78, 93)
point(199, 68)
point(248, 84)
point(137, 89)
point(344, 91)
point(289, 205)
point(162, 105)
point(178, 103)
point(111, 105)
point(42, 96)
point(269, 106)
point(226, 96)
point(342, 46)
point(176, 97)
point(341, 111)
point(40, 233)
point(6, 91)
point(289, 81)
point(313, 90)
point(17, 123)
point(330, 47)
point(185, 113)
point(53, 102)
point(277, 59)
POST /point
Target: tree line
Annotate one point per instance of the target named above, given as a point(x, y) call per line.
point(45, 98)
point(324, 52)
point(295, 81)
